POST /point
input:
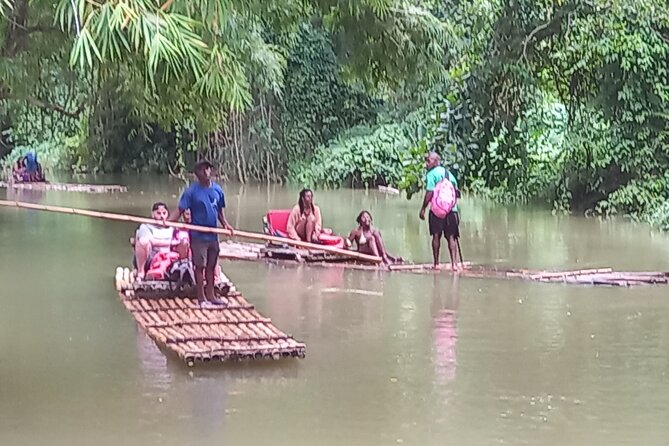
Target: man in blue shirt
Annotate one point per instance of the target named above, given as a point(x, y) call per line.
point(206, 202)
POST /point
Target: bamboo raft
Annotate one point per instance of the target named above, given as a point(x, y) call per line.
point(66, 187)
point(175, 320)
point(286, 255)
point(600, 276)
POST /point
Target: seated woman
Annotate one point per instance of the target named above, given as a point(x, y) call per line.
point(304, 222)
point(368, 239)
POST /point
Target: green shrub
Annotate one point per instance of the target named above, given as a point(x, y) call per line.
point(360, 157)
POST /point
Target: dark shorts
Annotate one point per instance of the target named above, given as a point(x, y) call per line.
point(205, 252)
point(449, 225)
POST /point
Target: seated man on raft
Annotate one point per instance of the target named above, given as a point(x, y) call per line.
point(368, 239)
point(151, 240)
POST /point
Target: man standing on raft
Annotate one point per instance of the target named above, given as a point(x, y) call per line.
point(206, 202)
point(448, 225)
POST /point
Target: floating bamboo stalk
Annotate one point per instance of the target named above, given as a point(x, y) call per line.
point(67, 187)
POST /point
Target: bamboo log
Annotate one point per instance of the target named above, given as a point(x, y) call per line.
point(68, 187)
point(242, 234)
point(118, 279)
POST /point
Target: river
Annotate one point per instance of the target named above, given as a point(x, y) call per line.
point(414, 359)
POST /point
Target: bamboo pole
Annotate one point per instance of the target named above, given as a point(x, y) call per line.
point(67, 187)
point(242, 234)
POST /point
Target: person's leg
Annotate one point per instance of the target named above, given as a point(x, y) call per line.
point(309, 229)
point(198, 248)
point(436, 226)
point(210, 271)
point(436, 246)
point(209, 283)
point(376, 235)
point(183, 248)
point(199, 284)
point(453, 251)
point(452, 234)
point(301, 230)
point(142, 253)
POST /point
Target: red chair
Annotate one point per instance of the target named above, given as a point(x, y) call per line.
point(275, 223)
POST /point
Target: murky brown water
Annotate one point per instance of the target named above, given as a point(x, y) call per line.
point(415, 359)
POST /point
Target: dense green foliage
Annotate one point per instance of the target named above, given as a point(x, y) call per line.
point(558, 102)
point(359, 157)
point(253, 84)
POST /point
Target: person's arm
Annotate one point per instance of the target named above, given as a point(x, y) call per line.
point(142, 231)
point(319, 221)
point(221, 213)
point(293, 218)
point(426, 202)
point(430, 184)
point(224, 221)
point(352, 237)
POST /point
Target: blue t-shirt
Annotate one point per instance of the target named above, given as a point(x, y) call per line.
point(204, 203)
point(31, 162)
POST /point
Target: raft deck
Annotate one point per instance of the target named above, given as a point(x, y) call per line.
point(67, 187)
point(198, 334)
point(598, 276)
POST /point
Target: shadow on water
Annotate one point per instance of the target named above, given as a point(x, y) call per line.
point(444, 309)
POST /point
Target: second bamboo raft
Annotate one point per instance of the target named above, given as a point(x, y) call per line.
point(66, 187)
point(595, 276)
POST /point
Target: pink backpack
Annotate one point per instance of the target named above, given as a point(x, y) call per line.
point(443, 198)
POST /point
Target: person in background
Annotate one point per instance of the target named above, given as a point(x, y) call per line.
point(33, 168)
point(449, 226)
point(206, 202)
point(304, 222)
point(368, 239)
point(19, 170)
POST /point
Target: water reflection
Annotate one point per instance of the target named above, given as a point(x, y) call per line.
point(153, 363)
point(26, 195)
point(444, 310)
